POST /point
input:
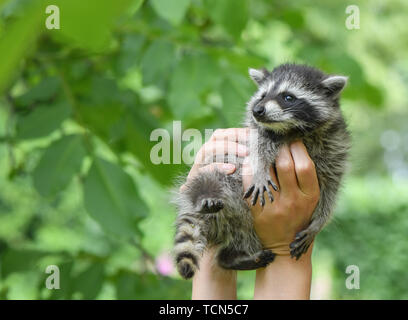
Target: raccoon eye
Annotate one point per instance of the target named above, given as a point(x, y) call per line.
point(288, 98)
point(263, 95)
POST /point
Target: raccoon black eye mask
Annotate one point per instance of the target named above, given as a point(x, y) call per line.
point(293, 102)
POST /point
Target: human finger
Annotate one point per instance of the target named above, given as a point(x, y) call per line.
point(304, 168)
point(231, 134)
point(226, 168)
point(213, 148)
point(285, 169)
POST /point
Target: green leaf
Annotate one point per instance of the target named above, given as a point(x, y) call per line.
point(294, 18)
point(43, 91)
point(42, 121)
point(18, 40)
point(88, 24)
point(194, 75)
point(89, 282)
point(239, 61)
point(58, 165)
point(235, 92)
point(135, 6)
point(112, 199)
point(19, 261)
point(138, 125)
point(232, 15)
point(171, 10)
point(23, 286)
point(129, 55)
point(157, 61)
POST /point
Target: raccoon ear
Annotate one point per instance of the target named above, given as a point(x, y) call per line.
point(334, 84)
point(258, 75)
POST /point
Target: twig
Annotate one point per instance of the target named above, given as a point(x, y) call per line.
point(146, 255)
point(71, 98)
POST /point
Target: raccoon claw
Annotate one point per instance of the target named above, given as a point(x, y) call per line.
point(302, 242)
point(255, 196)
point(270, 195)
point(274, 186)
point(258, 190)
point(210, 205)
point(262, 200)
point(249, 191)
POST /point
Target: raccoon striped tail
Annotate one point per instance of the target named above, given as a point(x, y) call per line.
point(189, 245)
point(201, 196)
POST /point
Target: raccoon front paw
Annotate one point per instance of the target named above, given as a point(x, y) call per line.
point(302, 242)
point(210, 205)
point(258, 188)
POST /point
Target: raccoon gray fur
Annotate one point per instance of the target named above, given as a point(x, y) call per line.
point(292, 102)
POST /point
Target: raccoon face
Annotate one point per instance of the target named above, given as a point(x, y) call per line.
point(294, 97)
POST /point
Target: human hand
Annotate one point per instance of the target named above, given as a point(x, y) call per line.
point(278, 222)
point(222, 141)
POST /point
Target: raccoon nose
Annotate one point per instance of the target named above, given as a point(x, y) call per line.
point(258, 111)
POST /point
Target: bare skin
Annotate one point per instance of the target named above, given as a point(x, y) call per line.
point(276, 225)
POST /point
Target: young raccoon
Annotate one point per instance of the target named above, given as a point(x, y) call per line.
point(292, 102)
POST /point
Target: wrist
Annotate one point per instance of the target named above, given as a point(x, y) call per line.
point(285, 278)
point(213, 282)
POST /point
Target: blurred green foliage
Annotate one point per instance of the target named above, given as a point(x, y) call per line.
point(78, 188)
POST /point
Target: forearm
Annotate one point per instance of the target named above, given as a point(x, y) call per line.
point(285, 278)
point(211, 282)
